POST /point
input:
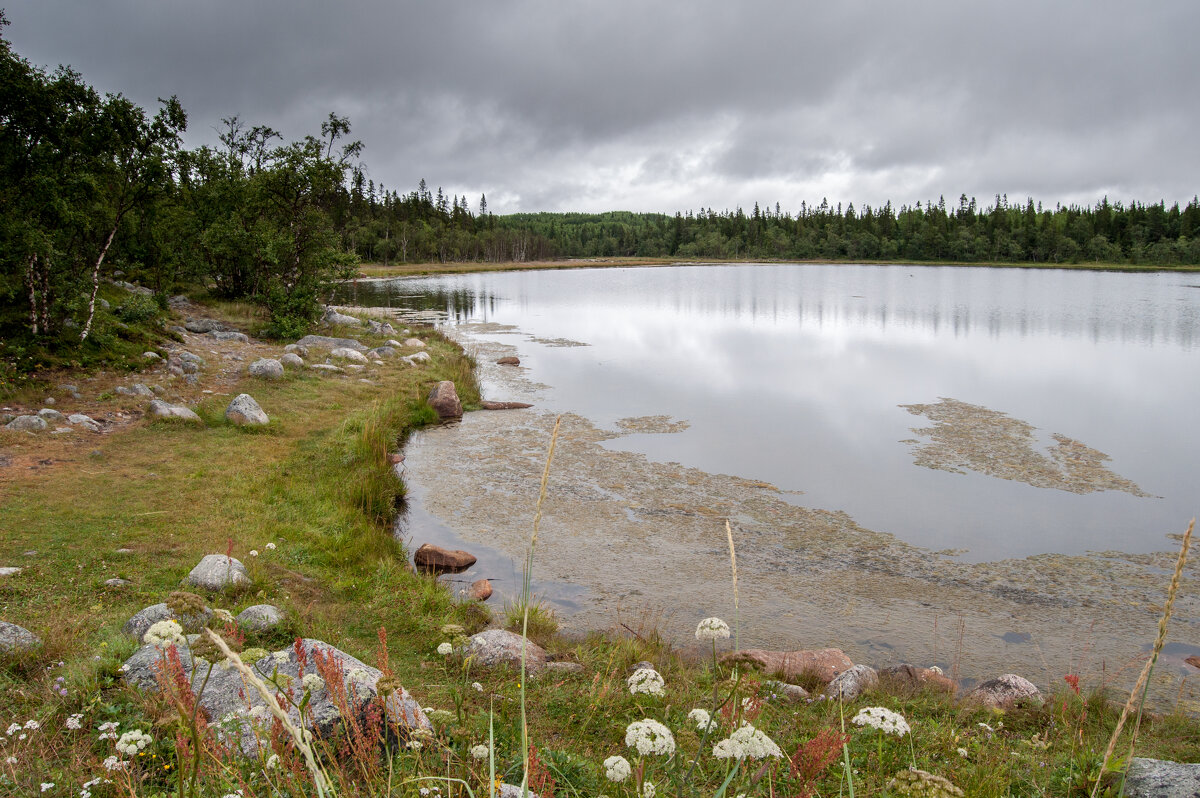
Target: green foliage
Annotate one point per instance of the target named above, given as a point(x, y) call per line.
point(138, 308)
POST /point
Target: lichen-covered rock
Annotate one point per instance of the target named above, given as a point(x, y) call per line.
point(824, 663)
point(326, 342)
point(217, 572)
point(230, 335)
point(16, 639)
point(203, 325)
point(27, 424)
point(444, 399)
point(1159, 778)
point(1003, 691)
point(417, 357)
point(51, 415)
point(414, 343)
point(87, 422)
point(337, 319)
point(493, 647)
point(160, 409)
point(381, 353)
point(793, 693)
point(260, 618)
point(296, 349)
point(136, 626)
point(291, 359)
point(266, 368)
point(244, 411)
point(852, 682)
point(346, 353)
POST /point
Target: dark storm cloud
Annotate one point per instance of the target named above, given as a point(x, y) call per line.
point(672, 105)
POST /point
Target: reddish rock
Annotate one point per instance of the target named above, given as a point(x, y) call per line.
point(1193, 660)
point(435, 558)
point(1003, 691)
point(509, 361)
point(395, 458)
point(481, 590)
point(444, 399)
point(503, 405)
point(826, 663)
point(916, 678)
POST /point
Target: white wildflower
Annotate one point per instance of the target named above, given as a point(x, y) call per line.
point(746, 742)
point(113, 763)
point(253, 552)
point(32, 725)
point(272, 762)
point(133, 741)
point(702, 719)
point(479, 752)
point(270, 547)
point(21, 736)
point(647, 789)
point(477, 687)
point(415, 745)
point(259, 712)
point(881, 718)
point(616, 768)
point(712, 629)
point(13, 729)
point(12, 760)
point(165, 634)
point(47, 785)
point(312, 683)
point(108, 731)
point(649, 737)
point(423, 790)
point(75, 722)
point(224, 616)
point(646, 680)
point(445, 648)
point(963, 753)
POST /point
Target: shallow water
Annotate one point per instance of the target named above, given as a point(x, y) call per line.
point(851, 421)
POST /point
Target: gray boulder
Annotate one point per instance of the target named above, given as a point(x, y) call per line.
point(16, 639)
point(151, 356)
point(233, 706)
point(244, 411)
point(87, 422)
point(444, 399)
point(493, 647)
point(337, 319)
point(325, 342)
point(346, 353)
point(260, 618)
point(217, 572)
point(393, 342)
point(380, 327)
point(381, 353)
point(418, 357)
point(9, 570)
point(140, 389)
point(188, 357)
point(850, 684)
point(27, 424)
point(414, 343)
point(1003, 691)
point(1158, 778)
point(302, 351)
point(291, 359)
point(136, 626)
point(203, 325)
point(160, 409)
point(792, 693)
point(327, 368)
point(51, 415)
point(230, 336)
point(266, 368)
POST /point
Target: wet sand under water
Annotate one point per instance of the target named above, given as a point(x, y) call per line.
point(624, 538)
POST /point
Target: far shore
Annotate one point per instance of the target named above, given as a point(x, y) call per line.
point(382, 271)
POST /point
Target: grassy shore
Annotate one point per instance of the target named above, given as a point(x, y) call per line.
point(379, 270)
point(147, 500)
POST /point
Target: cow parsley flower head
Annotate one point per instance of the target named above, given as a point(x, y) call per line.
point(746, 742)
point(133, 741)
point(13, 728)
point(271, 547)
point(253, 552)
point(75, 722)
point(646, 680)
point(165, 634)
point(647, 789)
point(702, 720)
point(479, 752)
point(477, 687)
point(32, 725)
point(712, 629)
point(445, 649)
point(112, 763)
point(616, 768)
point(47, 785)
point(883, 719)
point(649, 737)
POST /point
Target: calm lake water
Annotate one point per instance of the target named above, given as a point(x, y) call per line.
point(798, 376)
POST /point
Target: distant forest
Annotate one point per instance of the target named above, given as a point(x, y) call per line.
point(92, 185)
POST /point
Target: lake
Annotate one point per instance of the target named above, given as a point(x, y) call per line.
point(961, 465)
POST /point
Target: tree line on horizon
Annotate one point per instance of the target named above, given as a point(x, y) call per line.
point(92, 185)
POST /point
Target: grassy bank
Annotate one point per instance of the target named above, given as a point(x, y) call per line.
point(146, 501)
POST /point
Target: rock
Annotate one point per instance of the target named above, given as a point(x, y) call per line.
point(380, 327)
point(325, 342)
point(1193, 660)
point(419, 357)
point(381, 352)
point(161, 409)
point(266, 368)
point(178, 301)
point(27, 424)
point(217, 572)
point(853, 682)
point(151, 356)
point(188, 357)
point(327, 367)
point(291, 359)
point(414, 343)
point(16, 639)
point(793, 693)
point(141, 389)
point(158, 390)
point(562, 667)
point(116, 583)
point(189, 367)
point(444, 399)
point(340, 319)
point(435, 558)
point(66, 387)
point(226, 698)
point(51, 415)
point(241, 338)
point(1003, 691)
point(203, 326)
point(133, 289)
point(504, 405)
point(103, 303)
point(1158, 778)
point(296, 349)
point(825, 663)
point(346, 353)
point(136, 626)
point(9, 570)
point(915, 678)
point(509, 361)
point(480, 590)
point(500, 647)
point(260, 618)
point(62, 431)
point(244, 411)
point(392, 342)
point(50, 400)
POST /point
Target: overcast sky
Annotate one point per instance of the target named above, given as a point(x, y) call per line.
point(663, 106)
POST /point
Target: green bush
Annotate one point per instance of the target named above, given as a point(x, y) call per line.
point(137, 309)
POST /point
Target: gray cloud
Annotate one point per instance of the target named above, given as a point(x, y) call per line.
point(672, 105)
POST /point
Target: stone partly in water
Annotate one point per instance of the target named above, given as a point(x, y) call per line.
point(1157, 778)
point(824, 663)
point(444, 399)
point(509, 361)
point(217, 572)
point(435, 558)
point(500, 647)
point(486, 405)
point(1003, 691)
point(266, 368)
point(161, 409)
point(480, 590)
point(16, 639)
point(244, 411)
point(236, 709)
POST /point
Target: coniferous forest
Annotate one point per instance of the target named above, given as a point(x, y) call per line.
point(93, 184)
